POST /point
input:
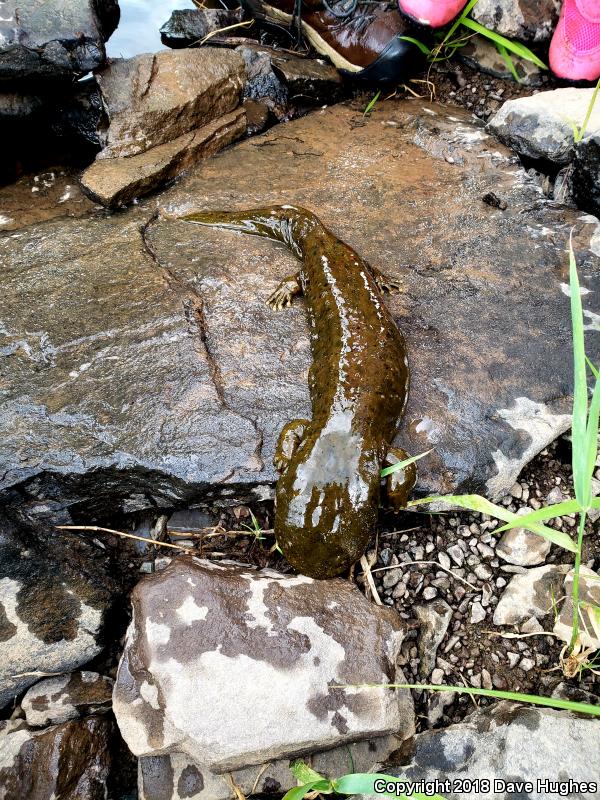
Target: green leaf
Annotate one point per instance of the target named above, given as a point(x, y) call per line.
point(538, 700)
point(422, 47)
point(590, 108)
point(401, 464)
point(466, 10)
point(303, 773)
point(508, 61)
point(514, 47)
point(592, 368)
point(298, 792)
point(371, 103)
point(547, 512)
point(474, 502)
point(591, 435)
point(364, 783)
point(595, 502)
point(580, 391)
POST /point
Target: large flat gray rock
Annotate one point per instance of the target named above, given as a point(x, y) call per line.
point(141, 366)
point(236, 667)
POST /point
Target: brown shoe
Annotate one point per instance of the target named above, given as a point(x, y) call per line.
point(360, 37)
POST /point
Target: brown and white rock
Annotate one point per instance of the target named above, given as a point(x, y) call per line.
point(154, 98)
point(589, 600)
point(530, 594)
point(236, 667)
point(177, 777)
point(69, 761)
point(56, 700)
point(522, 547)
point(117, 181)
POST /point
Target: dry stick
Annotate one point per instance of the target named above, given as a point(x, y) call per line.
point(520, 635)
point(246, 24)
point(436, 563)
point(150, 542)
point(367, 572)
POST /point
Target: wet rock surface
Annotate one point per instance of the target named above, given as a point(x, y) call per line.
point(188, 27)
point(51, 615)
point(482, 54)
point(117, 181)
point(176, 379)
point(512, 743)
point(528, 20)
point(56, 700)
point(287, 643)
point(69, 761)
point(54, 40)
point(541, 126)
point(176, 776)
point(585, 178)
point(156, 97)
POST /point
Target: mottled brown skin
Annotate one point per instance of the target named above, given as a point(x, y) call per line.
point(329, 488)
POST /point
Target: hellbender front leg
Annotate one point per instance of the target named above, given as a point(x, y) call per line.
point(384, 283)
point(399, 484)
point(289, 439)
point(285, 292)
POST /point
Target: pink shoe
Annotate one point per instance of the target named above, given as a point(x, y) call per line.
point(434, 13)
point(575, 46)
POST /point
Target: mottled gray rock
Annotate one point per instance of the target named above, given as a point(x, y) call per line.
point(154, 98)
point(585, 176)
point(522, 547)
point(262, 84)
point(51, 615)
point(177, 777)
point(188, 26)
point(434, 619)
point(54, 39)
point(117, 181)
point(530, 594)
point(509, 743)
point(589, 599)
point(528, 20)
point(70, 696)
point(166, 378)
point(541, 125)
point(69, 761)
point(235, 667)
point(483, 54)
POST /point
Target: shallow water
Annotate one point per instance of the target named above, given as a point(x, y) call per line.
point(138, 30)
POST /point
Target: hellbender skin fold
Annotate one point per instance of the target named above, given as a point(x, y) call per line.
point(329, 487)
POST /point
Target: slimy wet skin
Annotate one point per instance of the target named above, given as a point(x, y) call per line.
point(329, 487)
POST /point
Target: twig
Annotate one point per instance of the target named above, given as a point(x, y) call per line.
point(435, 563)
point(233, 786)
point(149, 542)
point(520, 635)
point(258, 777)
point(246, 24)
point(367, 572)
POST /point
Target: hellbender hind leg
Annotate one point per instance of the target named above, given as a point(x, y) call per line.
point(289, 439)
point(399, 484)
point(283, 294)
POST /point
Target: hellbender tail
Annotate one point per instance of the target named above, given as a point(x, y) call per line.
point(286, 224)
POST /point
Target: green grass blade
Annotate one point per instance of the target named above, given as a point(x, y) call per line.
point(508, 61)
point(422, 47)
point(298, 792)
point(591, 435)
point(364, 783)
point(592, 368)
point(538, 700)
point(590, 108)
point(474, 502)
point(371, 103)
point(542, 514)
point(595, 502)
point(580, 390)
point(303, 773)
point(466, 10)
point(514, 47)
point(401, 464)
